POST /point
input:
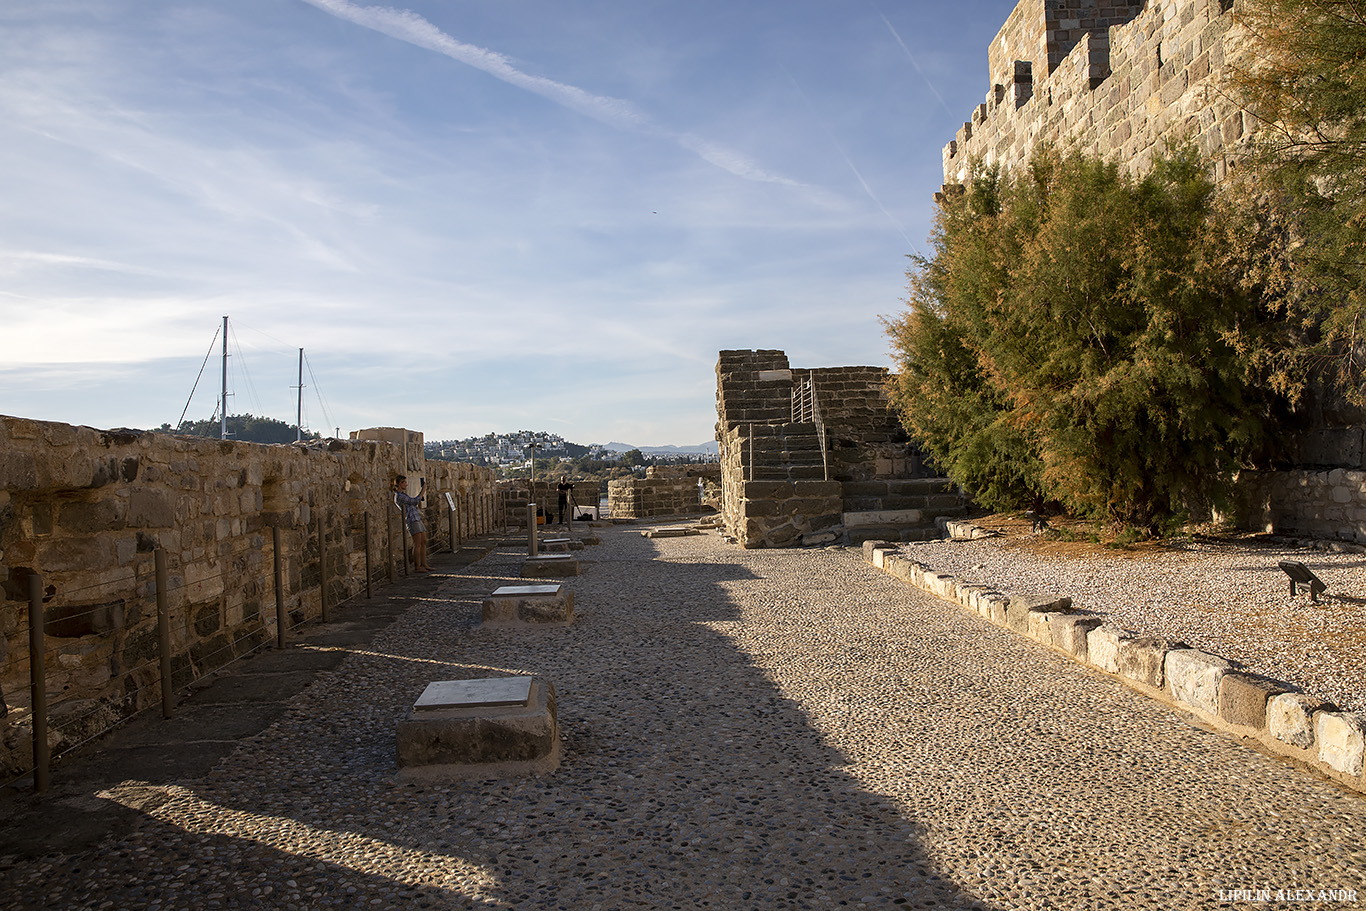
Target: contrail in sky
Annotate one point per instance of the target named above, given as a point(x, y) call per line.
point(911, 57)
point(406, 25)
point(847, 160)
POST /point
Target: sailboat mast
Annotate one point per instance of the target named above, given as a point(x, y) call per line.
point(223, 419)
point(300, 419)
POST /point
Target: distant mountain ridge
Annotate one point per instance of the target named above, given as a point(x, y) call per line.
point(711, 447)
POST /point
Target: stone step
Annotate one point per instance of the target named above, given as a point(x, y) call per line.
point(892, 533)
point(900, 487)
point(939, 503)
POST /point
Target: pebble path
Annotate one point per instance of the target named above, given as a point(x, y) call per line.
point(742, 729)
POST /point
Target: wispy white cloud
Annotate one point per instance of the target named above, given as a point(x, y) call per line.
point(405, 25)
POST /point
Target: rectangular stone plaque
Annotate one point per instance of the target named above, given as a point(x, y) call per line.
point(512, 591)
point(465, 694)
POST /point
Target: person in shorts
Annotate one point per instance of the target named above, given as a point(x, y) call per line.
point(412, 517)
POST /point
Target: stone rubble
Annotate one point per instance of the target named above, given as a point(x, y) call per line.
point(742, 729)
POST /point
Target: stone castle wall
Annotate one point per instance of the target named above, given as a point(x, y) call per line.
point(1117, 80)
point(86, 510)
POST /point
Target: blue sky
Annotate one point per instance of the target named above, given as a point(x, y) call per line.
point(473, 215)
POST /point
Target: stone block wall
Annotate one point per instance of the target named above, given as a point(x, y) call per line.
point(765, 504)
point(752, 387)
point(774, 450)
point(1316, 504)
point(517, 493)
point(86, 510)
point(643, 498)
point(1117, 80)
point(863, 435)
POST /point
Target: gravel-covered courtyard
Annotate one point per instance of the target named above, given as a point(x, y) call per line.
point(742, 729)
point(1224, 595)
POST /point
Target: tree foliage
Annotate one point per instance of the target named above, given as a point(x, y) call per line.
point(1081, 338)
point(246, 427)
point(1302, 75)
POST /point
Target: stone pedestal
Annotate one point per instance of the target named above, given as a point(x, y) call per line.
point(560, 545)
point(550, 566)
point(488, 728)
point(529, 605)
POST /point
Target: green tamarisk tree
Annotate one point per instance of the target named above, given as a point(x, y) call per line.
point(1082, 338)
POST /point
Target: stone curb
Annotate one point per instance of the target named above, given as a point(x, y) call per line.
point(1276, 716)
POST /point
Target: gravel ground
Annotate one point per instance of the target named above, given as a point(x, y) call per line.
point(743, 729)
point(1226, 597)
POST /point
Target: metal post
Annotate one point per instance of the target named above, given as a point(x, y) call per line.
point(750, 430)
point(367, 554)
point(455, 535)
point(37, 672)
point(163, 632)
point(403, 530)
point(531, 543)
point(280, 623)
point(322, 568)
point(389, 546)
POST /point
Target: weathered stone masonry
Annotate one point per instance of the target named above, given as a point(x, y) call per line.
point(86, 509)
point(817, 456)
point(1117, 80)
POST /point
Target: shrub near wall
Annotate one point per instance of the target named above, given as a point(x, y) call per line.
point(86, 510)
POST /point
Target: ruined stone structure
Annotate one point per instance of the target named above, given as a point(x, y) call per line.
point(642, 498)
point(818, 456)
point(86, 510)
point(1115, 79)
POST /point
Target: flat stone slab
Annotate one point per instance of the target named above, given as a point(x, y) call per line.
point(529, 605)
point(460, 734)
point(550, 566)
point(561, 545)
point(671, 532)
point(468, 694)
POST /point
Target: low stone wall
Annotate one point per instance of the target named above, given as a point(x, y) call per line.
point(642, 498)
point(86, 510)
point(1319, 504)
point(1281, 720)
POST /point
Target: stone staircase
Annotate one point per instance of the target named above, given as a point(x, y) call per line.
point(899, 509)
point(785, 452)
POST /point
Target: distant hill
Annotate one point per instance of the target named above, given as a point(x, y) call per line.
point(709, 448)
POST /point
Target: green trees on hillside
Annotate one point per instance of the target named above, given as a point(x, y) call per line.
point(246, 427)
point(1081, 338)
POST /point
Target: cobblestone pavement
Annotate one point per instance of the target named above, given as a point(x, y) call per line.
point(744, 729)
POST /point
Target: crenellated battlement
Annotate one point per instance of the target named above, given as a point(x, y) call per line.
point(1113, 79)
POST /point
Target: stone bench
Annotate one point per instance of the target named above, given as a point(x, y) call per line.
point(550, 566)
point(488, 728)
point(529, 605)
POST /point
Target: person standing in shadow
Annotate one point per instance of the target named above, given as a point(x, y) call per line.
point(412, 517)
